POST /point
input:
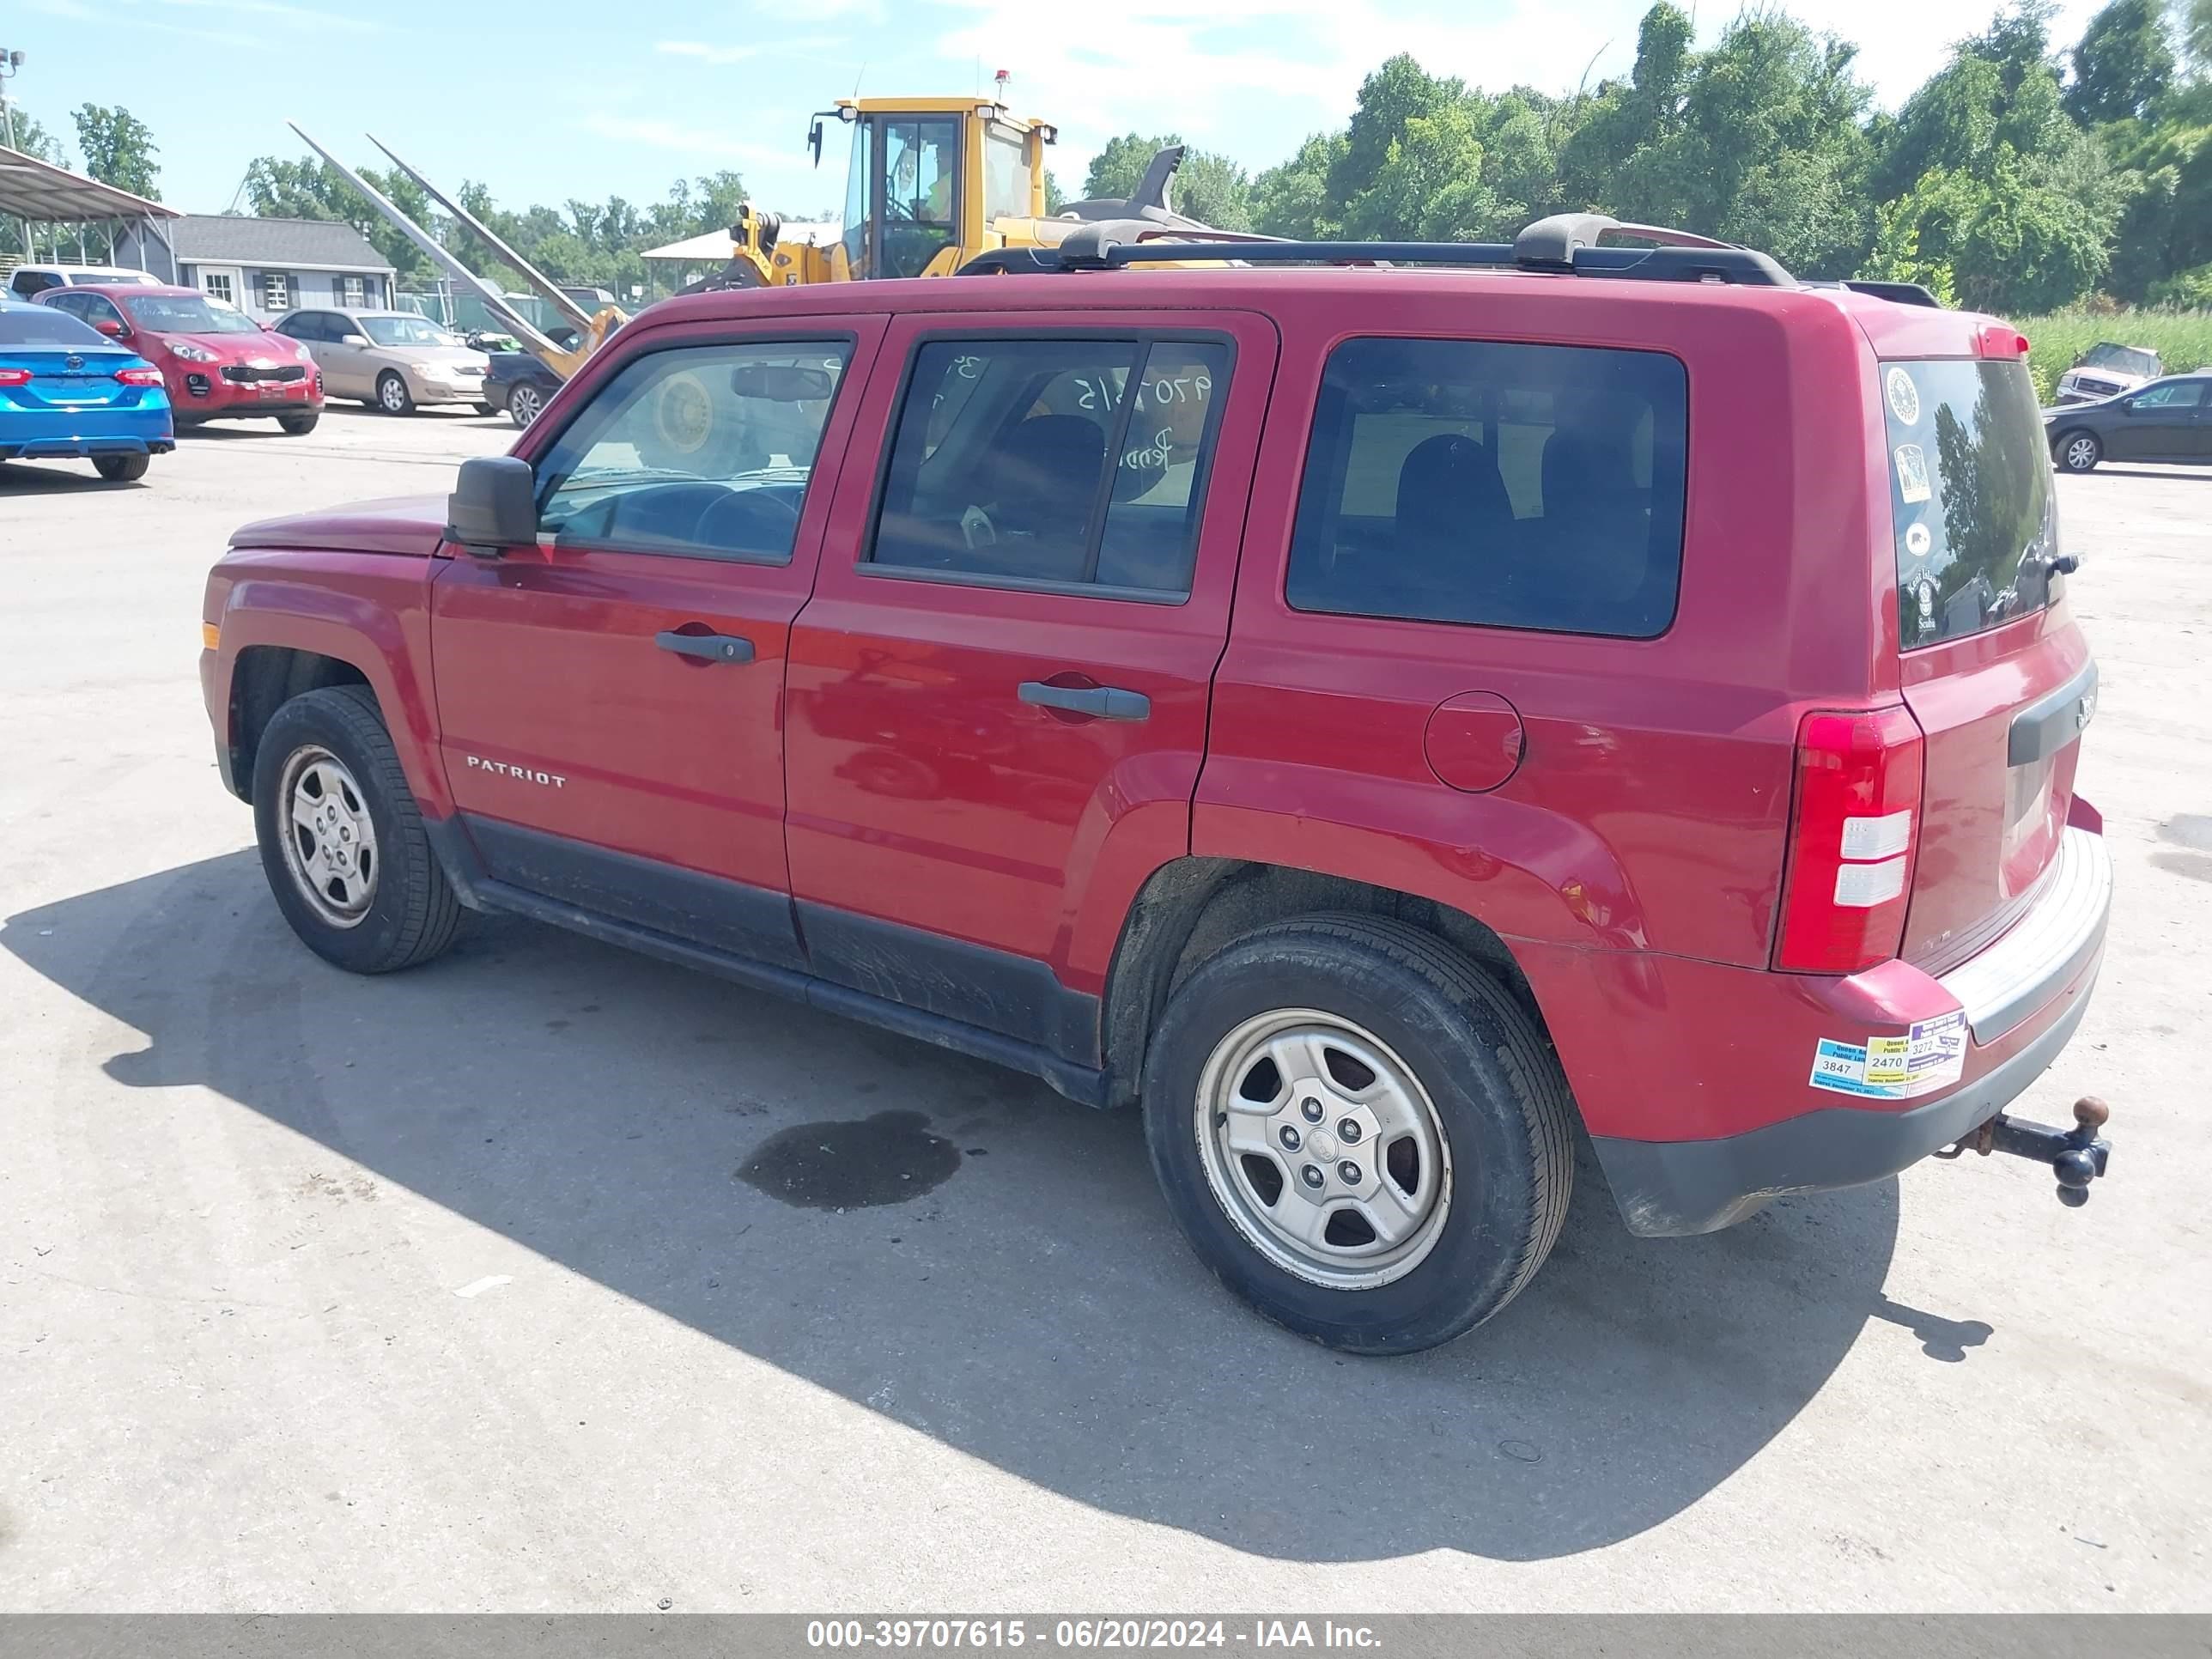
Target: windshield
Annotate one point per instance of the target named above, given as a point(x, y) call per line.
point(2129, 360)
point(171, 313)
point(407, 331)
point(1969, 496)
point(41, 327)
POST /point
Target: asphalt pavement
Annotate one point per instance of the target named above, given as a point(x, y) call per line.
point(467, 1288)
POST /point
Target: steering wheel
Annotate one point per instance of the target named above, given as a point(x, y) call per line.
point(748, 521)
point(976, 528)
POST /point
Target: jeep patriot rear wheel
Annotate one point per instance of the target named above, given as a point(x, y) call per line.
point(342, 840)
point(1360, 1131)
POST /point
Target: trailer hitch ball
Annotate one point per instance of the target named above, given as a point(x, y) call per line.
point(2077, 1156)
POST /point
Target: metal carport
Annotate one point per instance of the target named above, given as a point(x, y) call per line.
point(36, 194)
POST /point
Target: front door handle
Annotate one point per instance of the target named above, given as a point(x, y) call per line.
point(1104, 702)
point(706, 647)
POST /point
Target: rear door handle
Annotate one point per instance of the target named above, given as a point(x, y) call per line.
point(706, 647)
point(1104, 702)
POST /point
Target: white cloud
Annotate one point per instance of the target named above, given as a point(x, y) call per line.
point(710, 54)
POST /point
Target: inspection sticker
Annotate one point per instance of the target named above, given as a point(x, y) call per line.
point(1930, 1055)
point(1911, 474)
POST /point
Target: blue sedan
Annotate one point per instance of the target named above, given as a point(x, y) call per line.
point(67, 390)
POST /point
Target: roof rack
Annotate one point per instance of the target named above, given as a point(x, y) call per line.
point(1565, 243)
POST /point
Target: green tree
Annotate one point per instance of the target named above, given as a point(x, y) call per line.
point(1208, 187)
point(1400, 92)
point(280, 189)
point(119, 149)
point(1430, 186)
point(1292, 199)
point(2123, 63)
point(33, 140)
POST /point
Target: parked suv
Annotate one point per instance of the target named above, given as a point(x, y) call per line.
point(1386, 721)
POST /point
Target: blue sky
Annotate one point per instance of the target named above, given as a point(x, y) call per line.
point(553, 99)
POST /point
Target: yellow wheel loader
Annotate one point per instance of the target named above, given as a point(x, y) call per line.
point(932, 184)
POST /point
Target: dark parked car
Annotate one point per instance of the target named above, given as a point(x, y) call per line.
point(520, 385)
point(2168, 421)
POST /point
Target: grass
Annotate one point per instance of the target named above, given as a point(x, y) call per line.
point(2182, 339)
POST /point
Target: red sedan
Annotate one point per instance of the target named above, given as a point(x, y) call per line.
point(218, 363)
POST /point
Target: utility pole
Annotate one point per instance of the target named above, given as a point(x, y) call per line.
point(11, 64)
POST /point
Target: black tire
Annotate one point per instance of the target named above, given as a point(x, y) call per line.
point(2078, 451)
point(122, 469)
point(412, 913)
point(299, 426)
point(1500, 1100)
point(392, 396)
point(486, 409)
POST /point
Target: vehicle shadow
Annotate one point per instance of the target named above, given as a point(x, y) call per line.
point(49, 478)
point(1032, 1307)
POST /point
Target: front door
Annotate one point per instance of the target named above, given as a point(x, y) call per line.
point(611, 699)
point(999, 690)
point(223, 282)
point(2160, 422)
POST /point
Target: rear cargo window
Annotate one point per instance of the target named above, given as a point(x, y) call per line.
point(1521, 486)
point(1969, 496)
point(44, 326)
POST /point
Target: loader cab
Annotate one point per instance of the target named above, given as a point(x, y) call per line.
point(928, 179)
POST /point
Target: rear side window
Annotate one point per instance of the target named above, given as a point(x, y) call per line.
point(1518, 486)
point(1969, 496)
point(42, 326)
point(1060, 463)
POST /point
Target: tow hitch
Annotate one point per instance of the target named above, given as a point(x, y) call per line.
point(2077, 1155)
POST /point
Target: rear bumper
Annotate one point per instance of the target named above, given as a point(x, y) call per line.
point(1718, 1089)
point(1669, 1188)
point(59, 434)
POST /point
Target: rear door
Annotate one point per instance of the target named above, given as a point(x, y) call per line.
point(610, 698)
point(999, 691)
point(1993, 666)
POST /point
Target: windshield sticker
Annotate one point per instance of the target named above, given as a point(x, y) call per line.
point(1930, 1055)
point(1904, 397)
point(1911, 474)
point(1918, 540)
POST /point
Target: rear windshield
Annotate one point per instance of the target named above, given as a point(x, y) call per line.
point(41, 326)
point(1969, 496)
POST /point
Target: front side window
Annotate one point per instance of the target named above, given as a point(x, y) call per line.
point(34, 282)
point(1006, 174)
point(1515, 486)
point(1053, 462)
point(1969, 496)
point(2174, 394)
point(276, 291)
point(704, 452)
point(921, 175)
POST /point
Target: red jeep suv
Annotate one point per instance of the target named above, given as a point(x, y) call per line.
point(1387, 709)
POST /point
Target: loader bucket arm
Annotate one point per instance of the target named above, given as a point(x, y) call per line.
point(561, 363)
point(577, 316)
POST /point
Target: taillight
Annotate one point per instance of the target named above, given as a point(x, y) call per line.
point(1852, 836)
point(14, 377)
point(2000, 340)
point(139, 376)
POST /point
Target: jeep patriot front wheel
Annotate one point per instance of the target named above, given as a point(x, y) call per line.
point(342, 840)
point(1359, 1131)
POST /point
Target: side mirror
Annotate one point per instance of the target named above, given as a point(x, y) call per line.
point(353, 339)
point(493, 505)
point(112, 328)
